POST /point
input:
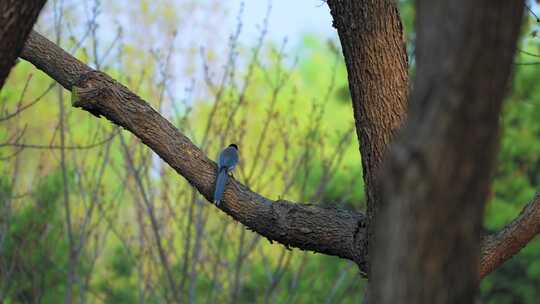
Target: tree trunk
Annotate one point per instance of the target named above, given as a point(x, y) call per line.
point(372, 39)
point(17, 17)
point(438, 173)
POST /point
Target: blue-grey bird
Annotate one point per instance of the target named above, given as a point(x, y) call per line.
point(228, 158)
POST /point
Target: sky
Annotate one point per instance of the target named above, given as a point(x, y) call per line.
point(288, 19)
point(293, 18)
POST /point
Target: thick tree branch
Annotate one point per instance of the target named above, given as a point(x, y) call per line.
point(308, 227)
point(372, 39)
point(17, 17)
point(501, 246)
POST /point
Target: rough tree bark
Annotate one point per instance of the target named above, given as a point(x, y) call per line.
point(17, 17)
point(437, 177)
point(500, 246)
point(372, 40)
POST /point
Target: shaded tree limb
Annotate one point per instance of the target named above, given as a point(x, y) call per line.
point(497, 248)
point(17, 18)
point(326, 230)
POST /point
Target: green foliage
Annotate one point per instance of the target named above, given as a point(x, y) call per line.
point(36, 246)
point(122, 264)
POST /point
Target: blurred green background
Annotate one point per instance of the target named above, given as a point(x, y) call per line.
point(103, 216)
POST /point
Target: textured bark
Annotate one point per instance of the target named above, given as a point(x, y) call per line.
point(308, 227)
point(373, 45)
point(17, 17)
point(437, 177)
point(501, 246)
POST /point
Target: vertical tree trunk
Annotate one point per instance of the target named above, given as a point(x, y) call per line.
point(17, 17)
point(372, 39)
point(437, 176)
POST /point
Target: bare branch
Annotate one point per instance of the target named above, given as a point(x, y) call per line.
point(16, 144)
point(497, 248)
point(308, 227)
point(21, 108)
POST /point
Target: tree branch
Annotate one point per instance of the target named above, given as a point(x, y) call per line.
point(501, 246)
point(325, 230)
point(373, 43)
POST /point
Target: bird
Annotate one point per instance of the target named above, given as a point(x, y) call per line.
point(228, 158)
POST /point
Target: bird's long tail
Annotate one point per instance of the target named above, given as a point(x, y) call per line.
point(220, 185)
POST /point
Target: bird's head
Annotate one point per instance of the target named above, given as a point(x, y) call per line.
point(234, 146)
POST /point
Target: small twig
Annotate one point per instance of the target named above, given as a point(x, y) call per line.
point(58, 147)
